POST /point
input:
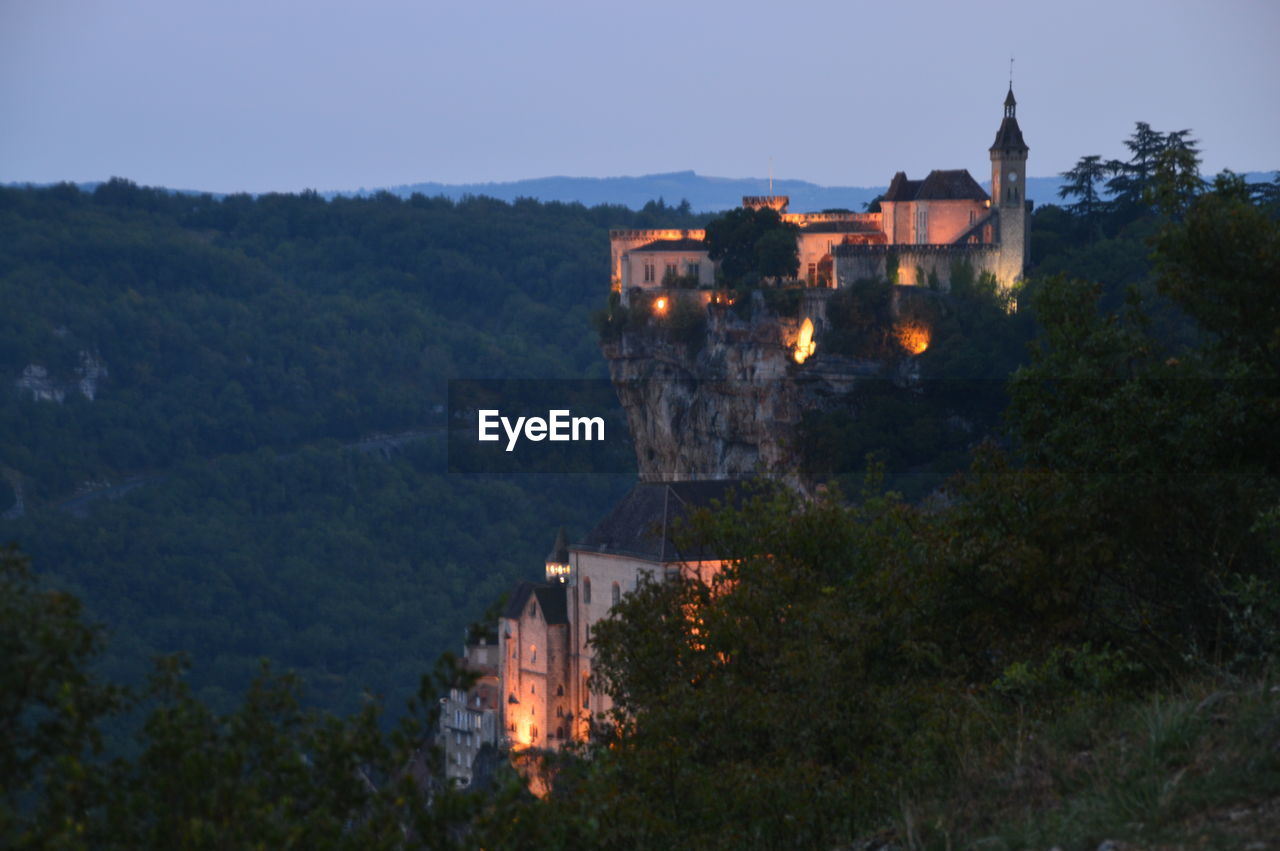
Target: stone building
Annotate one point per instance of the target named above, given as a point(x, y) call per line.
point(924, 230)
point(469, 719)
point(545, 631)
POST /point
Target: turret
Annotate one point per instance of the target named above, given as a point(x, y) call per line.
point(1008, 158)
point(1008, 195)
point(558, 569)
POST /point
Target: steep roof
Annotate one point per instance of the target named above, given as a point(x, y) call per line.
point(641, 524)
point(685, 244)
point(552, 605)
point(941, 185)
point(519, 599)
point(1009, 136)
point(950, 185)
point(559, 550)
point(901, 189)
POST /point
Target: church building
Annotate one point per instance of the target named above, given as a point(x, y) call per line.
point(545, 631)
point(923, 230)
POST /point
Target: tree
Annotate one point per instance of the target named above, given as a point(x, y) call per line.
point(50, 712)
point(1082, 183)
point(1175, 174)
point(1128, 185)
point(748, 241)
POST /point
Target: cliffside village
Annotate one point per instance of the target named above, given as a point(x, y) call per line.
point(532, 690)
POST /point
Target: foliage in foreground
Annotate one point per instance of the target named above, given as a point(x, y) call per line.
point(1065, 645)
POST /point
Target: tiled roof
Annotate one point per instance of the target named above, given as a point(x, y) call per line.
point(901, 189)
point(1009, 136)
point(552, 606)
point(641, 524)
point(941, 185)
point(559, 550)
point(950, 185)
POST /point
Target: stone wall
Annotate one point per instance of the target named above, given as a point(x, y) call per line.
point(915, 263)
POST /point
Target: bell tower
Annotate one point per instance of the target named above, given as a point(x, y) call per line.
point(1008, 194)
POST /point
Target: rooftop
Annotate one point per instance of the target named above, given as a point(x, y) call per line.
point(641, 524)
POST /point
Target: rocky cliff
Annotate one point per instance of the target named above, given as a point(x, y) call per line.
point(727, 401)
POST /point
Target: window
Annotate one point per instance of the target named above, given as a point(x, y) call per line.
point(922, 226)
point(691, 270)
point(586, 591)
point(973, 216)
point(617, 594)
point(671, 272)
point(586, 693)
point(533, 608)
point(813, 273)
point(648, 273)
point(559, 691)
point(533, 654)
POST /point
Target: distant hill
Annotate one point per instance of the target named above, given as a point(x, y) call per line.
point(704, 194)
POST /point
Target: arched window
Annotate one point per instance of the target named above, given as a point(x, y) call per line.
point(559, 711)
point(533, 654)
point(617, 594)
point(586, 591)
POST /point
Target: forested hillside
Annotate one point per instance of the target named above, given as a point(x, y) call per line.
point(187, 383)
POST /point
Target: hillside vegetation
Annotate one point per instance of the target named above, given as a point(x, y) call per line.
point(220, 494)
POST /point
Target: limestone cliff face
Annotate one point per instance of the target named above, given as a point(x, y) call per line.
point(730, 404)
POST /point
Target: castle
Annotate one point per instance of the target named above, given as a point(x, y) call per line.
point(923, 229)
point(544, 654)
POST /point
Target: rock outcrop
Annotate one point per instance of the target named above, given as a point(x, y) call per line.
point(728, 403)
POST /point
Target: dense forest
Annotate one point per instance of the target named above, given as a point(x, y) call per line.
point(1073, 639)
point(257, 468)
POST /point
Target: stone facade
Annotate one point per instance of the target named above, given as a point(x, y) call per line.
point(545, 632)
point(927, 226)
point(469, 719)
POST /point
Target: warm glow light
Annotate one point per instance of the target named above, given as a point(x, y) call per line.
point(805, 345)
point(660, 305)
point(913, 337)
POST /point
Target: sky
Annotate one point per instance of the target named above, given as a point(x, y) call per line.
point(227, 95)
